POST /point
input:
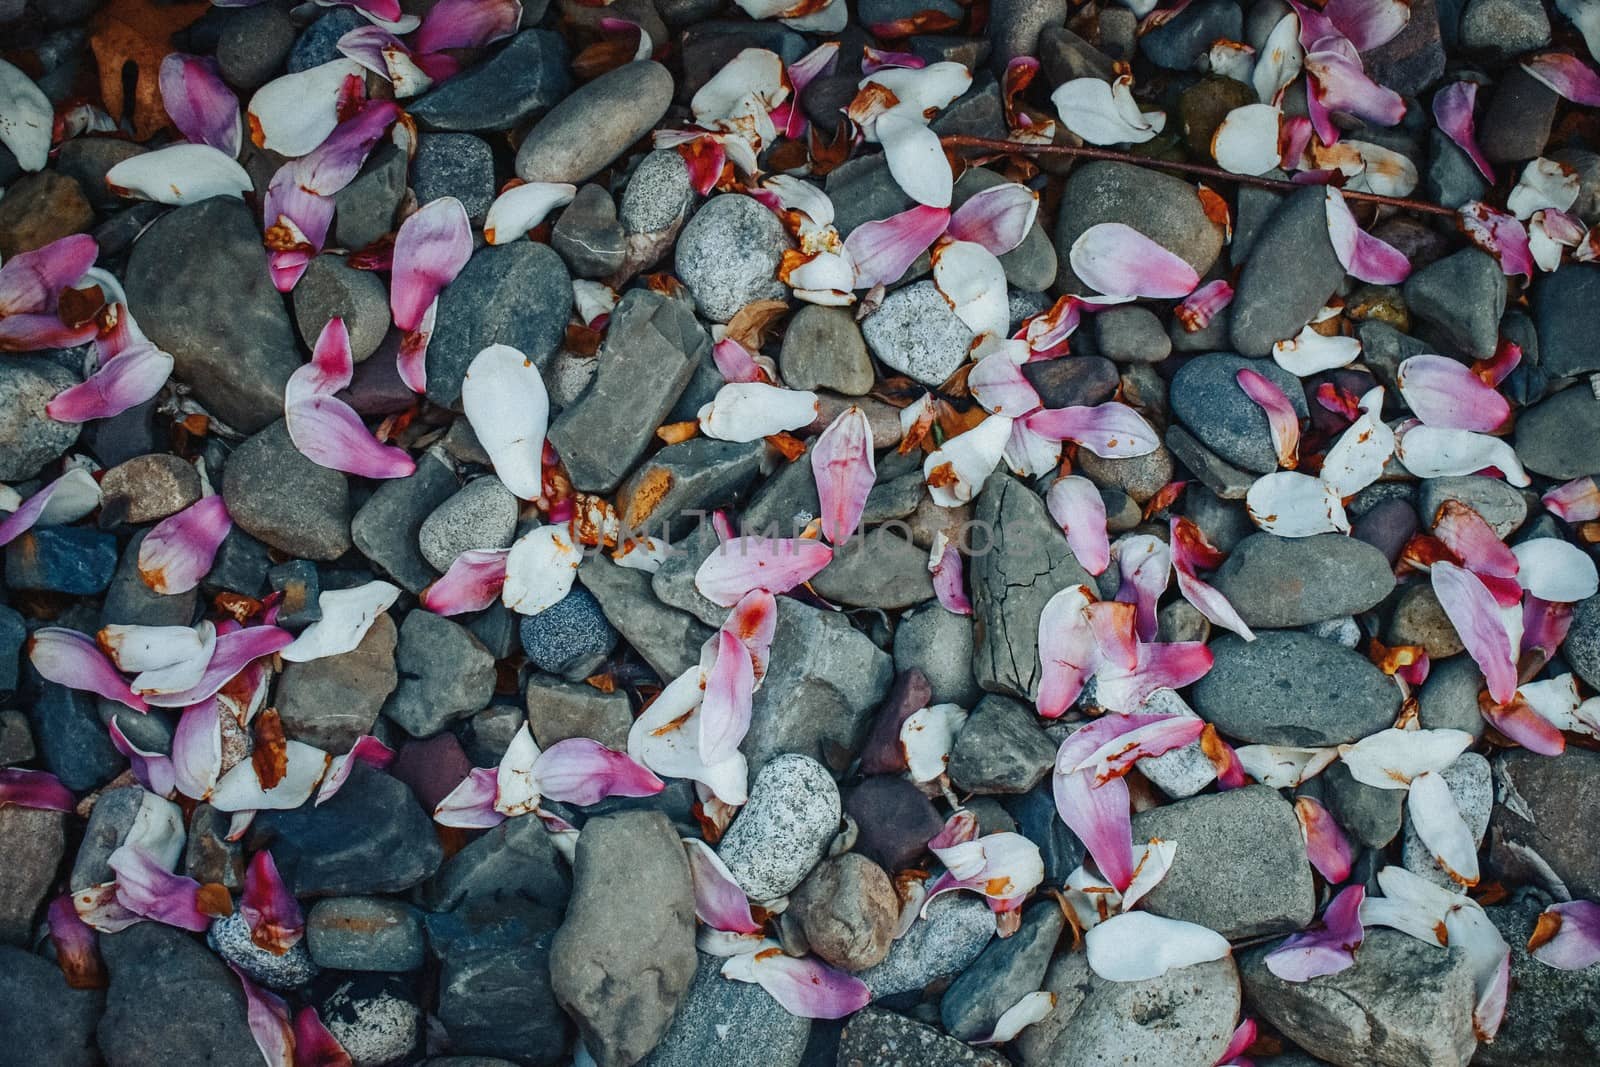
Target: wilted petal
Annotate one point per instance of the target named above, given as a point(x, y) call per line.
point(294, 113)
point(948, 569)
point(805, 987)
point(916, 159)
point(1443, 392)
point(522, 207)
point(843, 467)
point(335, 163)
point(430, 248)
point(1105, 113)
point(1567, 936)
point(1500, 234)
point(1328, 947)
point(1282, 419)
point(1247, 140)
point(1390, 759)
point(1567, 76)
point(1310, 352)
point(666, 738)
point(200, 104)
point(26, 118)
point(77, 946)
point(67, 499)
point(1291, 504)
point(1362, 255)
point(1068, 652)
point(1204, 304)
point(127, 381)
point(1357, 459)
point(920, 91)
point(505, 401)
point(314, 1045)
point(1368, 23)
point(883, 249)
point(69, 658)
point(347, 615)
point(539, 570)
point(1137, 946)
point(1144, 562)
point(179, 174)
point(367, 749)
point(268, 1017)
point(1519, 721)
point(1118, 260)
point(1544, 183)
point(146, 648)
point(472, 583)
point(470, 805)
point(583, 771)
point(197, 750)
point(1284, 766)
point(998, 218)
point(273, 914)
point(1435, 452)
point(973, 282)
point(1137, 736)
point(1280, 59)
point(735, 362)
point(927, 738)
point(749, 411)
point(1326, 846)
point(34, 789)
point(1191, 552)
point(145, 888)
point(467, 24)
point(1339, 84)
point(233, 653)
point(1077, 507)
point(1031, 1008)
point(1434, 816)
point(955, 472)
point(179, 551)
point(744, 564)
point(241, 789)
point(1555, 570)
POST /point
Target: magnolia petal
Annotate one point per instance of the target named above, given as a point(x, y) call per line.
point(179, 551)
point(1118, 260)
point(1362, 255)
point(234, 652)
point(522, 207)
point(1339, 84)
point(430, 248)
point(328, 432)
point(1390, 759)
point(273, 914)
point(742, 565)
point(314, 1045)
point(1144, 563)
point(665, 738)
point(1436, 452)
point(1310, 352)
point(998, 218)
point(1567, 76)
point(127, 381)
point(1471, 931)
point(472, 583)
point(540, 569)
point(845, 472)
point(884, 249)
point(1326, 846)
point(144, 648)
point(77, 946)
point(69, 658)
point(1077, 507)
point(1111, 430)
point(1280, 60)
point(268, 1017)
point(147, 889)
point(1204, 304)
point(1452, 110)
point(367, 749)
point(34, 789)
point(1247, 140)
point(200, 104)
point(1028, 454)
point(805, 987)
point(197, 750)
point(735, 362)
point(1137, 946)
point(1544, 183)
point(920, 91)
point(1357, 459)
point(725, 710)
point(749, 411)
point(1438, 822)
point(948, 569)
point(1031, 1008)
point(467, 24)
point(67, 499)
point(1068, 651)
point(1471, 608)
point(583, 771)
point(335, 163)
point(1152, 868)
point(293, 114)
point(718, 900)
point(347, 615)
point(1445, 393)
point(179, 174)
point(1190, 552)
point(241, 790)
point(1567, 936)
point(1282, 418)
point(956, 472)
point(973, 282)
point(1529, 727)
point(1291, 504)
point(26, 118)
point(1555, 570)
point(183, 673)
point(1368, 23)
point(1100, 816)
point(1136, 740)
point(470, 805)
point(1328, 947)
point(928, 736)
point(505, 401)
point(1104, 113)
point(1500, 234)
point(915, 159)
point(1284, 766)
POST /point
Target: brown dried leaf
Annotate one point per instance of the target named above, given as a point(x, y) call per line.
point(270, 757)
point(138, 32)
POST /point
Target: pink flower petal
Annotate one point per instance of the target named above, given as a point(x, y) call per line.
point(1575, 501)
point(1166, 665)
point(268, 1018)
point(152, 769)
point(821, 59)
point(1144, 563)
point(69, 658)
point(1566, 76)
point(718, 900)
point(1368, 23)
point(1522, 724)
point(1244, 1035)
point(1567, 936)
point(430, 249)
point(725, 711)
point(1444, 392)
point(1099, 815)
point(844, 469)
point(470, 805)
point(77, 945)
point(466, 24)
point(1452, 110)
point(582, 771)
point(197, 750)
point(949, 579)
point(126, 381)
point(331, 368)
point(411, 362)
point(1191, 552)
point(1471, 608)
point(1118, 260)
point(997, 218)
point(149, 890)
point(335, 163)
point(34, 789)
point(1500, 234)
point(1544, 625)
point(368, 750)
point(1433, 814)
point(66, 499)
point(1362, 255)
point(884, 249)
point(200, 103)
point(1201, 306)
point(472, 583)
point(998, 384)
point(30, 287)
point(1339, 84)
point(1281, 416)
point(1111, 430)
point(179, 551)
point(1328, 947)
point(1068, 652)
point(1326, 845)
point(735, 362)
point(273, 914)
point(235, 651)
point(314, 1046)
point(328, 432)
point(806, 987)
point(1136, 737)
point(1077, 507)
point(744, 564)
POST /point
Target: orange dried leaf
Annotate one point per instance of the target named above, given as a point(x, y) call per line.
point(138, 32)
point(270, 758)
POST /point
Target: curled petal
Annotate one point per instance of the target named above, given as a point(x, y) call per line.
point(293, 114)
point(582, 771)
point(1282, 419)
point(749, 411)
point(328, 432)
point(1138, 736)
point(1500, 234)
point(430, 248)
point(314, 1045)
point(1443, 392)
point(1326, 845)
point(916, 159)
point(152, 769)
point(1368, 23)
point(884, 249)
point(1567, 76)
point(472, 583)
point(805, 987)
point(233, 653)
point(949, 576)
point(1077, 507)
point(1310, 352)
point(1105, 113)
point(1283, 766)
point(1190, 552)
point(1031, 1008)
point(744, 564)
point(1567, 936)
point(67, 499)
point(148, 890)
point(666, 738)
point(1452, 110)
point(521, 208)
point(179, 174)
point(1204, 304)
point(1118, 260)
point(1327, 948)
point(843, 467)
point(200, 104)
point(368, 750)
point(956, 471)
point(1474, 542)
point(331, 368)
point(1068, 651)
point(998, 218)
point(735, 362)
point(504, 397)
point(347, 615)
point(241, 788)
point(1435, 452)
point(470, 805)
point(1438, 822)
point(1521, 722)
point(1137, 946)
point(273, 914)
point(34, 789)
point(76, 944)
point(725, 710)
point(69, 658)
point(26, 118)
point(1291, 504)
point(927, 738)
point(1339, 84)
point(466, 24)
point(1280, 60)
point(197, 750)
point(1111, 430)
point(1144, 563)
point(127, 381)
point(1357, 459)
point(540, 569)
point(718, 900)
point(268, 1017)
point(179, 551)
point(335, 163)
point(1362, 255)
point(1390, 759)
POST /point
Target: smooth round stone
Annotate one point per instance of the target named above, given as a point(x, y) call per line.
point(1504, 28)
point(569, 634)
point(41, 208)
point(783, 831)
point(938, 643)
point(364, 934)
point(1163, 208)
point(823, 349)
point(895, 821)
point(1295, 581)
point(1419, 619)
point(230, 937)
point(589, 129)
point(1290, 273)
point(1206, 398)
point(1131, 334)
point(848, 909)
point(454, 164)
point(590, 240)
point(1141, 477)
point(659, 195)
point(149, 487)
point(1289, 688)
point(373, 1017)
point(279, 496)
point(915, 332)
point(253, 44)
point(481, 514)
point(943, 943)
point(1559, 437)
point(28, 437)
point(331, 288)
point(527, 76)
point(728, 255)
point(318, 43)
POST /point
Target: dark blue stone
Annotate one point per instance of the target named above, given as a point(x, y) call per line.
point(1037, 820)
point(318, 43)
point(62, 559)
point(12, 635)
point(72, 740)
point(567, 633)
point(298, 582)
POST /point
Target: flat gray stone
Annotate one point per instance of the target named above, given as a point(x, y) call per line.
point(595, 124)
point(945, 942)
point(364, 934)
point(885, 1039)
point(1559, 437)
point(1207, 400)
point(939, 644)
point(731, 1024)
point(1290, 274)
point(1001, 749)
point(445, 674)
point(877, 570)
point(329, 702)
point(527, 76)
point(915, 332)
point(668, 639)
point(1295, 581)
point(728, 255)
point(277, 495)
point(481, 514)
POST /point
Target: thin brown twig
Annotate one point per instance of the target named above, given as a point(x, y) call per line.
point(1214, 173)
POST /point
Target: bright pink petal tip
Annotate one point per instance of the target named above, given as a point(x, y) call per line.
point(1574, 501)
point(744, 564)
point(127, 381)
point(725, 710)
point(844, 469)
point(583, 771)
point(430, 249)
point(806, 987)
point(1362, 255)
point(268, 1018)
point(1282, 418)
point(314, 1045)
point(146, 888)
point(273, 914)
point(34, 789)
point(69, 658)
point(882, 250)
point(1452, 110)
point(1204, 304)
point(1111, 430)
point(718, 900)
point(1100, 816)
point(466, 24)
point(65, 499)
point(1328, 947)
point(949, 581)
point(1326, 845)
point(200, 103)
point(179, 551)
point(735, 362)
point(1444, 392)
point(1116, 259)
point(997, 218)
point(368, 750)
point(1500, 234)
point(328, 432)
point(1566, 76)
point(1077, 507)
point(470, 805)
point(1191, 552)
point(472, 583)
point(1473, 611)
